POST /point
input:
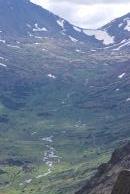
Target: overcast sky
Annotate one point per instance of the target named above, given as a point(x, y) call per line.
point(87, 13)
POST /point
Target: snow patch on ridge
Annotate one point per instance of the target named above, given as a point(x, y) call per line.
point(3, 65)
point(3, 41)
point(51, 76)
point(121, 76)
point(77, 28)
point(120, 25)
point(13, 46)
point(127, 27)
point(60, 22)
point(128, 100)
point(38, 29)
point(48, 139)
point(73, 39)
point(100, 35)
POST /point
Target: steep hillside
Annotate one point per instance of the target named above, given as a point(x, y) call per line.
point(57, 101)
point(105, 179)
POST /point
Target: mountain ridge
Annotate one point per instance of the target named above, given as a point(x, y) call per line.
point(25, 19)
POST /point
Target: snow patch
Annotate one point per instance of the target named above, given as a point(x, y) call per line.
point(128, 99)
point(120, 25)
point(33, 133)
point(36, 43)
point(38, 37)
point(28, 25)
point(3, 41)
point(60, 22)
point(48, 139)
point(13, 46)
point(127, 27)
point(101, 35)
point(3, 65)
point(28, 181)
point(122, 75)
point(38, 29)
point(2, 58)
point(51, 76)
point(77, 28)
point(43, 49)
point(78, 51)
point(73, 39)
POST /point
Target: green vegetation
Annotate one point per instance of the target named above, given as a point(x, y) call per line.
point(80, 111)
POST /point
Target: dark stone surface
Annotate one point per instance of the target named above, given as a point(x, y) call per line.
point(122, 185)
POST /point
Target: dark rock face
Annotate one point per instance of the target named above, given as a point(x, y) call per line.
point(117, 169)
point(120, 153)
point(122, 185)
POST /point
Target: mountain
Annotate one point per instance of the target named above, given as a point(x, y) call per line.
point(64, 104)
point(119, 29)
point(23, 19)
point(114, 35)
point(105, 178)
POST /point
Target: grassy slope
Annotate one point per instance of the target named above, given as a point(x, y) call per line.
point(81, 109)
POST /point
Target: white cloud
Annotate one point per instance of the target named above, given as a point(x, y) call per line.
point(87, 13)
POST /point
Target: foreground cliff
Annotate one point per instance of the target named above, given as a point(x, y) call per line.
point(112, 177)
point(122, 185)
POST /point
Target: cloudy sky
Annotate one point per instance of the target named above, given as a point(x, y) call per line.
point(87, 13)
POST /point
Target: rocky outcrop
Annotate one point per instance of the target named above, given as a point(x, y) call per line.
point(122, 185)
point(107, 174)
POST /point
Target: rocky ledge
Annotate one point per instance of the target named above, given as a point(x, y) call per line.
point(112, 177)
